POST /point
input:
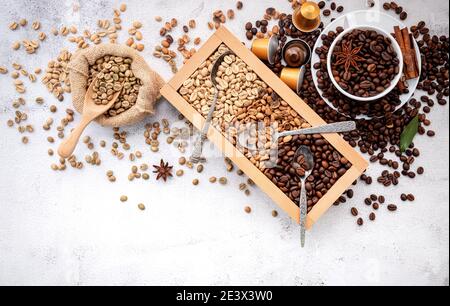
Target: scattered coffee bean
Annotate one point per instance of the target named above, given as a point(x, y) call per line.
point(403, 15)
point(411, 197)
point(392, 207)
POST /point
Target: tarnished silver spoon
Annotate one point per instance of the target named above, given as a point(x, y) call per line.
point(304, 165)
point(198, 146)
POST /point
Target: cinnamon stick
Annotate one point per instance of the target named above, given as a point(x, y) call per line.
point(414, 54)
point(411, 67)
point(399, 39)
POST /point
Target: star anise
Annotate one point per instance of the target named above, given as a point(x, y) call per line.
point(163, 171)
point(349, 56)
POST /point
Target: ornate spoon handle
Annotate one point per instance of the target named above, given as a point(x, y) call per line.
point(198, 146)
point(303, 211)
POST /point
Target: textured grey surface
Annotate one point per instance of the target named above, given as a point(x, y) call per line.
point(70, 228)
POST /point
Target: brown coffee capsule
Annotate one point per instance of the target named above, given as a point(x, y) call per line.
point(293, 77)
point(296, 53)
point(266, 48)
point(306, 18)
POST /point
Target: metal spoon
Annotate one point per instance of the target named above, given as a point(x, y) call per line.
point(339, 127)
point(309, 161)
point(198, 146)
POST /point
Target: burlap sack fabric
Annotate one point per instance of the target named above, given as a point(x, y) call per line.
point(148, 93)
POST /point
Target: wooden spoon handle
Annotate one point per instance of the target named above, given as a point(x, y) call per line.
point(67, 147)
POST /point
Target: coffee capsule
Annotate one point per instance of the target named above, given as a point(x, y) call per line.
point(306, 18)
point(266, 48)
point(293, 77)
point(296, 53)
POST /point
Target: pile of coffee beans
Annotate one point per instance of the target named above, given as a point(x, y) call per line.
point(377, 80)
point(364, 63)
point(329, 166)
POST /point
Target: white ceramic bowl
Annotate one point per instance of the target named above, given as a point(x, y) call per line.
point(394, 82)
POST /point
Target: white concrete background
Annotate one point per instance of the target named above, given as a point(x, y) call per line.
point(70, 228)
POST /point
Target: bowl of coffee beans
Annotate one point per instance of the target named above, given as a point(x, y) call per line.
point(365, 63)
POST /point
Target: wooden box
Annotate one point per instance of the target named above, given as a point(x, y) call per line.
point(170, 92)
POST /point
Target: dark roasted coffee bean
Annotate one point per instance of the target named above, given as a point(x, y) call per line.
point(373, 197)
point(420, 170)
point(354, 211)
point(360, 222)
point(321, 4)
point(375, 206)
point(411, 197)
point(403, 197)
point(431, 133)
point(270, 11)
point(350, 193)
point(392, 207)
point(403, 16)
point(372, 217)
point(340, 9)
point(381, 199)
point(333, 6)
point(326, 12)
point(248, 26)
point(387, 6)
point(368, 201)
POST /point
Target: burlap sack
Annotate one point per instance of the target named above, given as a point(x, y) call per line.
point(148, 93)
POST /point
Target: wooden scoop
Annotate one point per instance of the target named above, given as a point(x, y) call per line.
point(90, 112)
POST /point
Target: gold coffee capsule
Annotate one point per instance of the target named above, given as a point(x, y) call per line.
point(265, 48)
point(306, 18)
point(293, 77)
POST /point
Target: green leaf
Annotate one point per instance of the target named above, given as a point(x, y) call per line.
point(408, 134)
